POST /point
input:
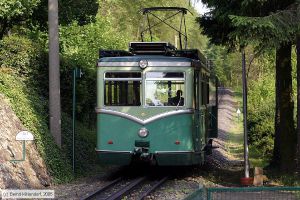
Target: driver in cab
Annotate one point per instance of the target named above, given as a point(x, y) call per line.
point(178, 100)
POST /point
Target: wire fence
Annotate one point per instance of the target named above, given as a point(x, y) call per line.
point(247, 193)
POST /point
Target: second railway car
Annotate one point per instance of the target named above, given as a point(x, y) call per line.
point(156, 104)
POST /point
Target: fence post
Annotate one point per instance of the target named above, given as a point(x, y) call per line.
point(208, 196)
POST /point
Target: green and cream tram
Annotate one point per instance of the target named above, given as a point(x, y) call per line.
point(156, 104)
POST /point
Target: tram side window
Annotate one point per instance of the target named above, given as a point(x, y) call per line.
point(203, 99)
point(204, 93)
point(212, 92)
point(196, 90)
point(207, 93)
point(120, 90)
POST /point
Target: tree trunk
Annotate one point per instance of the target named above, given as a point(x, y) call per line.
point(298, 102)
point(3, 27)
point(275, 159)
point(285, 137)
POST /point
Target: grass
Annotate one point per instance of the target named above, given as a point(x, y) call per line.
point(236, 137)
point(235, 140)
point(256, 158)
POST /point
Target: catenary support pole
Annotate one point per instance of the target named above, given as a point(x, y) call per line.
point(246, 151)
point(54, 77)
point(77, 73)
point(74, 118)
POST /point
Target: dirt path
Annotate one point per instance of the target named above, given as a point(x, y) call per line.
point(230, 138)
point(225, 165)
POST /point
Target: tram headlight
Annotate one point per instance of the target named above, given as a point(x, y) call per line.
point(143, 132)
point(143, 64)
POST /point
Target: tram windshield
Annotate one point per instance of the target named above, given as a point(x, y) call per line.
point(164, 89)
point(122, 89)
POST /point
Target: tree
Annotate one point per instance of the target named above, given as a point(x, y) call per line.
point(82, 11)
point(14, 12)
point(220, 28)
point(281, 29)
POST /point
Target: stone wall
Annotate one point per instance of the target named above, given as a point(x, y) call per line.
point(31, 173)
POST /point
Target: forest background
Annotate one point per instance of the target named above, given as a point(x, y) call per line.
point(90, 25)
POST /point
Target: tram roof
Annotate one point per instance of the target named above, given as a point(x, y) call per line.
point(137, 58)
point(153, 60)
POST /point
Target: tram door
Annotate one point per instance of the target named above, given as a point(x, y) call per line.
point(203, 108)
point(197, 111)
point(200, 111)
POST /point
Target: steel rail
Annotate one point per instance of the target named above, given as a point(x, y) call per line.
point(126, 189)
point(119, 194)
point(152, 188)
point(105, 187)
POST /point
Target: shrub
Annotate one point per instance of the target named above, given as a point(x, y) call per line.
point(19, 54)
point(261, 106)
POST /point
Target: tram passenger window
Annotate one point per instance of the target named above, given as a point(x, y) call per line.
point(165, 89)
point(196, 90)
point(207, 93)
point(212, 92)
point(122, 89)
point(203, 93)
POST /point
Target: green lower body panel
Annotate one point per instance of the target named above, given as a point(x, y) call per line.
point(170, 140)
point(161, 158)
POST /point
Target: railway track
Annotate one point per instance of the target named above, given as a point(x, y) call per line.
point(121, 187)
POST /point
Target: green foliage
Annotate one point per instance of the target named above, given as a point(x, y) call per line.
point(268, 31)
point(19, 54)
point(218, 26)
point(80, 48)
point(13, 12)
point(21, 81)
point(261, 107)
point(82, 11)
point(86, 160)
point(10, 9)
point(82, 43)
point(226, 65)
point(127, 19)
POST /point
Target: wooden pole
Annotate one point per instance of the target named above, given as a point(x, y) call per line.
point(298, 102)
point(54, 76)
